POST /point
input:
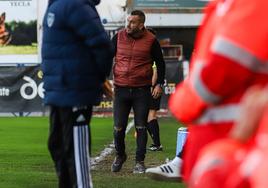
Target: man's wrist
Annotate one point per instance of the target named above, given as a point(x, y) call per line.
point(160, 85)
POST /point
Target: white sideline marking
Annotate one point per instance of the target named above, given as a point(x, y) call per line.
point(109, 149)
point(129, 126)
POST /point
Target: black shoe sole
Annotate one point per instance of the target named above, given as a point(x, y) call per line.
point(158, 177)
point(119, 168)
point(155, 149)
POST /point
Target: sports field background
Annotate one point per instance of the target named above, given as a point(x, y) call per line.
point(25, 161)
point(12, 49)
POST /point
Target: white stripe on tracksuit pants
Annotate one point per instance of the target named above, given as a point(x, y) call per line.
point(82, 156)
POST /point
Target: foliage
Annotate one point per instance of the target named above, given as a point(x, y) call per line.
point(22, 33)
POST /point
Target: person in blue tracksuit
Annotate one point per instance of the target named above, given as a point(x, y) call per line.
point(76, 59)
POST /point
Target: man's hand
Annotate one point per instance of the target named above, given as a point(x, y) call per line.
point(157, 91)
point(253, 105)
point(108, 89)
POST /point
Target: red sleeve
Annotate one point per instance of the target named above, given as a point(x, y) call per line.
point(225, 77)
point(185, 104)
point(216, 80)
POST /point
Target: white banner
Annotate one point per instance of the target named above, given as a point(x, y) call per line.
point(18, 33)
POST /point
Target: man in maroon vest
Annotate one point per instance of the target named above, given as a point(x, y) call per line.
point(136, 50)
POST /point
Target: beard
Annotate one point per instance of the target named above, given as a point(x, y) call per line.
point(135, 33)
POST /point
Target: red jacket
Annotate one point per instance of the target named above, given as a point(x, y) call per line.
point(133, 61)
point(230, 56)
point(228, 163)
point(216, 164)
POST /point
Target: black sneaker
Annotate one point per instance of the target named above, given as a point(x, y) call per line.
point(139, 168)
point(118, 163)
point(154, 147)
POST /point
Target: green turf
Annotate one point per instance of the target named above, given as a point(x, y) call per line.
point(103, 178)
point(25, 161)
point(12, 49)
point(101, 133)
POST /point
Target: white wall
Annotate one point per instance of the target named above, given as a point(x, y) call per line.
point(41, 8)
point(112, 11)
point(173, 20)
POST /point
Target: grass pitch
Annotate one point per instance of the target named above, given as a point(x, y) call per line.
point(26, 163)
point(12, 49)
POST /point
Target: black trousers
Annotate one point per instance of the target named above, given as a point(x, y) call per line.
point(69, 145)
point(125, 99)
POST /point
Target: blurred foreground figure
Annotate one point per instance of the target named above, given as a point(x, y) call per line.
point(76, 59)
point(228, 60)
point(240, 160)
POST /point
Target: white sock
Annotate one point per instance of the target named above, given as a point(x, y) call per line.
point(177, 161)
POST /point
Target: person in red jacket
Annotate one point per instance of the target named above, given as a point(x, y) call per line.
point(238, 161)
point(228, 60)
point(136, 50)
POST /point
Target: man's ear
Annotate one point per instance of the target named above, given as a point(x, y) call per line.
point(141, 25)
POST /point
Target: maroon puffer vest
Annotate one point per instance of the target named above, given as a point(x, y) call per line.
point(133, 62)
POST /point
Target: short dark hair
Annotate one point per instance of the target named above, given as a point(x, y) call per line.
point(140, 14)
